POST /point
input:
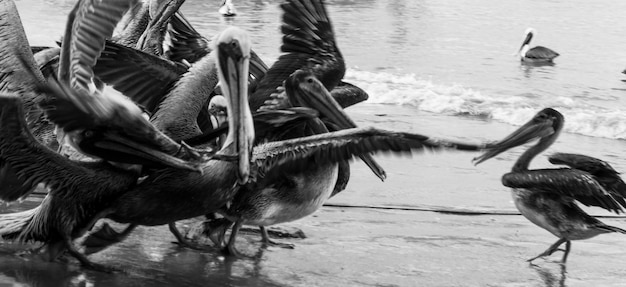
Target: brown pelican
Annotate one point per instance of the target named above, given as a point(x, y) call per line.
point(168, 195)
point(227, 9)
point(286, 196)
point(78, 191)
point(547, 197)
point(538, 54)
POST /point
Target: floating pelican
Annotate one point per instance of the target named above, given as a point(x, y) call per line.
point(227, 9)
point(547, 197)
point(538, 54)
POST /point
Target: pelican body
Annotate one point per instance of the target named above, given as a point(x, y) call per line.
point(227, 9)
point(538, 54)
point(169, 195)
point(547, 197)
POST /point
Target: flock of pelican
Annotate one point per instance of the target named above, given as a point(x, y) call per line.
point(139, 119)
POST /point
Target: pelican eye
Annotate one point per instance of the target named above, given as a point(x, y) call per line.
point(309, 80)
point(88, 133)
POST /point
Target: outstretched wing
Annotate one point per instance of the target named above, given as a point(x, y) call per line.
point(343, 145)
point(94, 22)
point(308, 44)
point(111, 127)
point(34, 163)
point(185, 42)
point(573, 183)
point(143, 77)
point(602, 172)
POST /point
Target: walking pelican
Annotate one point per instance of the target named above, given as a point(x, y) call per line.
point(547, 197)
point(538, 54)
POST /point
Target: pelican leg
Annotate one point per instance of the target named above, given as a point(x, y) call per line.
point(554, 247)
point(267, 241)
point(182, 241)
point(216, 230)
point(83, 259)
point(230, 248)
point(568, 245)
point(105, 237)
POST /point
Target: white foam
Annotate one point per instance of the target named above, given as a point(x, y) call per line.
point(425, 95)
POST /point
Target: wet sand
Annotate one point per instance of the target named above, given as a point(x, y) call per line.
point(347, 247)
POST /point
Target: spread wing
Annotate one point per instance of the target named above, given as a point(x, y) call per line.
point(602, 172)
point(344, 145)
point(111, 127)
point(143, 77)
point(308, 44)
point(32, 163)
point(94, 22)
point(573, 183)
point(185, 42)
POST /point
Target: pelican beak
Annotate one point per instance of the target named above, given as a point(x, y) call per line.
point(233, 61)
point(307, 91)
point(304, 89)
point(529, 37)
point(141, 153)
point(528, 132)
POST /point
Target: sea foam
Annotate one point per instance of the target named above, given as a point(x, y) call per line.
point(455, 99)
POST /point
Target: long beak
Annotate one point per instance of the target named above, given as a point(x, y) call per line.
point(529, 36)
point(234, 63)
point(146, 153)
point(306, 90)
point(526, 133)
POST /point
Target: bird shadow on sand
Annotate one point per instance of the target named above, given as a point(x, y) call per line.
point(553, 275)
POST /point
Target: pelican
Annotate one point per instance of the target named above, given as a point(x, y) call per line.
point(163, 197)
point(547, 197)
point(227, 9)
point(538, 54)
point(78, 191)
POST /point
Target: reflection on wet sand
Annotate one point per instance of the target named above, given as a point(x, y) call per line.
point(553, 275)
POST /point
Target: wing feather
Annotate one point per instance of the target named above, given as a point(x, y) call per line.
point(143, 77)
point(94, 22)
point(343, 145)
point(540, 52)
point(308, 44)
point(602, 172)
point(573, 183)
point(33, 163)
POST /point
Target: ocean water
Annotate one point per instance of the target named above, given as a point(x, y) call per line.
point(446, 57)
point(437, 67)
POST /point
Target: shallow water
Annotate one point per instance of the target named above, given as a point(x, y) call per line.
point(439, 68)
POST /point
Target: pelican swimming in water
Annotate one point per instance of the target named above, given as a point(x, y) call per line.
point(538, 54)
point(227, 9)
point(547, 197)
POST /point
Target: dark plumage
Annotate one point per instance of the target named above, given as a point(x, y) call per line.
point(538, 54)
point(547, 197)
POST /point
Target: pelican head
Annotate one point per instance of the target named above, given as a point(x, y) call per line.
point(305, 90)
point(545, 126)
point(227, 8)
point(218, 114)
point(530, 32)
point(233, 56)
